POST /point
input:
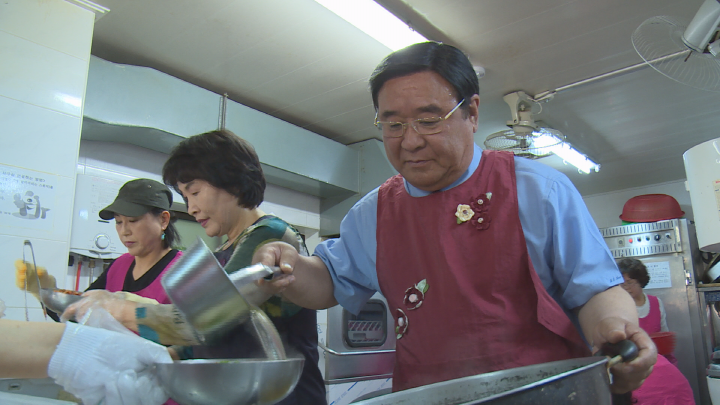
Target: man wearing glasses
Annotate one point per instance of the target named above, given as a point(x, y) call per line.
point(487, 261)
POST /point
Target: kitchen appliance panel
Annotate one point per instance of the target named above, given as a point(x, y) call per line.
point(360, 347)
point(669, 250)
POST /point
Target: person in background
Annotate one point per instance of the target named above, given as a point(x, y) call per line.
point(488, 261)
point(666, 384)
point(146, 228)
point(651, 312)
point(220, 177)
point(84, 360)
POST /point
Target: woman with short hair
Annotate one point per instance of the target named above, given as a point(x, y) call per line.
point(666, 384)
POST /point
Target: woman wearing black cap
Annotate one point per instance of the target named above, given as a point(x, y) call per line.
point(145, 227)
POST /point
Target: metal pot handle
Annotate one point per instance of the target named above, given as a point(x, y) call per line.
point(624, 350)
point(622, 399)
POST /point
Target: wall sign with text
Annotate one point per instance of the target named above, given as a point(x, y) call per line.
point(26, 198)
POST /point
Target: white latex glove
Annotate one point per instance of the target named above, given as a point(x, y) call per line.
point(136, 298)
point(112, 302)
point(102, 366)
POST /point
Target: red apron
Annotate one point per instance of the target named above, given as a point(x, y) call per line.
point(485, 308)
point(116, 279)
point(651, 323)
point(666, 385)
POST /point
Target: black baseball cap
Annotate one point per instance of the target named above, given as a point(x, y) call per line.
point(137, 197)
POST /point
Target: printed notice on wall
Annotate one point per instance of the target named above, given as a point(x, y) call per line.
point(659, 275)
point(26, 198)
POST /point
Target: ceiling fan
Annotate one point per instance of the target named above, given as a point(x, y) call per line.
point(689, 55)
point(525, 137)
point(531, 139)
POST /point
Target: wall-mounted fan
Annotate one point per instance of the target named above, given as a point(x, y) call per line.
point(689, 55)
point(525, 137)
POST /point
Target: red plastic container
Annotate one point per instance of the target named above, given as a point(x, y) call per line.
point(651, 208)
point(665, 342)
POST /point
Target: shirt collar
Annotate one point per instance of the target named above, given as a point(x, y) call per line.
point(477, 153)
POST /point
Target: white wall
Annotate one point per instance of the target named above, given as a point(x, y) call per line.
point(125, 161)
point(606, 208)
point(44, 54)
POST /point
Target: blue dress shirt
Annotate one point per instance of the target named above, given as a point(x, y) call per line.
point(563, 242)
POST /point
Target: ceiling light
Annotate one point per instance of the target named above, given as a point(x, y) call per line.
point(374, 20)
point(565, 151)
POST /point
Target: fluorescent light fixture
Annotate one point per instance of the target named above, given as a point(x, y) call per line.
point(374, 20)
point(99, 10)
point(545, 142)
point(68, 99)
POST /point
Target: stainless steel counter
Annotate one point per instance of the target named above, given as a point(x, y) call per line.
point(35, 390)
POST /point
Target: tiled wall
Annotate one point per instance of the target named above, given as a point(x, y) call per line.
point(44, 57)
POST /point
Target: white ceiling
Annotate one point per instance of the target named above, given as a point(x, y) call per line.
point(299, 62)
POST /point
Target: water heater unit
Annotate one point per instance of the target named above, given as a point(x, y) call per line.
point(92, 236)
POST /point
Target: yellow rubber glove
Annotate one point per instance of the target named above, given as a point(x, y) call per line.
point(25, 270)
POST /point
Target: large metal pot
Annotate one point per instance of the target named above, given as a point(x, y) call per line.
point(202, 291)
point(212, 301)
point(567, 382)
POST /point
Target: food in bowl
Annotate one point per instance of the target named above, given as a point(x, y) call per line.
point(71, 292)
point(57, 300)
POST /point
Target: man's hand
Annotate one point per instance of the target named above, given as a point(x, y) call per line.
point(25, 271)
point(278, 254)
point(611, 316)
point(627, 376)
point(305, 280)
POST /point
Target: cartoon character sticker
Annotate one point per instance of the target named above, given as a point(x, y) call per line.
point(29, 206)
point(28, 198)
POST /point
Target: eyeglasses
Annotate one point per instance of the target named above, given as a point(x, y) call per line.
point(629, 283)
point(423, 126)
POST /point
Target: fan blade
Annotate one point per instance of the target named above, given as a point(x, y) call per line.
point(658, 40)
point(703, 26)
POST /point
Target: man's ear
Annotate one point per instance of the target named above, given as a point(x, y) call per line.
point(472, 111)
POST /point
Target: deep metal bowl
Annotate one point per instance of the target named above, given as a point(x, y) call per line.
point(230, 381)
point(57, 301)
